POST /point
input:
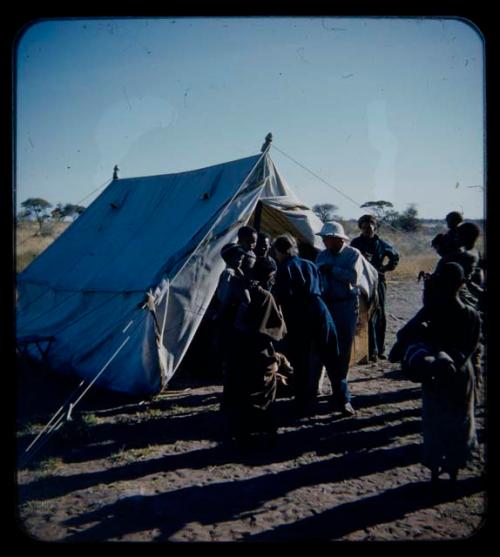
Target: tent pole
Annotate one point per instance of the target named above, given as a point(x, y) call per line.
point(258, 210)
point(267, 143)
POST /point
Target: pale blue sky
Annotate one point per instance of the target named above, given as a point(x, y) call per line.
point(381, 108)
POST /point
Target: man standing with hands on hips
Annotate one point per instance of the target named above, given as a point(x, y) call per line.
point(384, 258)
point(341, 268)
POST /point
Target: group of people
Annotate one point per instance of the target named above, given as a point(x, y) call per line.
point(441, 348)
point(284, 318)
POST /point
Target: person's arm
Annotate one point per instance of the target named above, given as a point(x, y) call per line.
point(418, 363)
point(393, 257)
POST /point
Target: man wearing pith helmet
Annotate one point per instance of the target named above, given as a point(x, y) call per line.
point(341, 269)
point(384, 258)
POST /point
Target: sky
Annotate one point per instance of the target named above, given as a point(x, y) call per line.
point(379, 108)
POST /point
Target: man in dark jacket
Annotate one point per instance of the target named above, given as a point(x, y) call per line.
point(312, 334)
point(384, 258)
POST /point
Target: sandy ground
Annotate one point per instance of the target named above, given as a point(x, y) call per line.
point(157, 471)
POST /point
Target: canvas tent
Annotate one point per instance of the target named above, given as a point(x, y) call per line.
point(126, 286)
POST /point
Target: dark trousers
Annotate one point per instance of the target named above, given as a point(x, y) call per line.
point(377, 324)
point(298, 349)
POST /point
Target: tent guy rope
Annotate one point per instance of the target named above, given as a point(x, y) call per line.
point(358, 205)
point(63, 414)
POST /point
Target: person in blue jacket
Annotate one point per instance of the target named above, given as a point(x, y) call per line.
point(384, 258)
point(312, 335)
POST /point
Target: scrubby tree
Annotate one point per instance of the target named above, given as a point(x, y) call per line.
point(391, 217)
point(73, 211)
point(37, 208)
point(325, 211)
point(382, 210)
point(408, 220)
point(57, 213)
point(69, 210)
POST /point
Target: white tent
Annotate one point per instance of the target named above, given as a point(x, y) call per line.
point(151, 239)
point(126, 286)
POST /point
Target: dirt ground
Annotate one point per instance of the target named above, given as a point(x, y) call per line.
point(158, 470)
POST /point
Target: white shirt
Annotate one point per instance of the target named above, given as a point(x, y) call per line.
point(341, 273)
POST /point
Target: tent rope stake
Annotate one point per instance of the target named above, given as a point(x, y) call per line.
point(49, 423)
point(66, 409)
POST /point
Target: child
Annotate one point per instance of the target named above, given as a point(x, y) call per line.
point(436, 348)
point(254, 367)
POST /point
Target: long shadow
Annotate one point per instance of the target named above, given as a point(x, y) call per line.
point(388, 506)
point(139, 434)
point(40, 392)
point(327, 436)
point(397, 374)
point(365, 379)
point(225, 501)
point(102, 440)
point(184, 399)
point(394, 397)
point(105, 404)
point(323, 439)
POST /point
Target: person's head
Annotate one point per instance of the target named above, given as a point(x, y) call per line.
point(450, 278)
point(442, 286)
point(453, 219)
point(264, 270)
point(285, 246)
point(333, 236)
point(233, 255)
point(247, 237)
point(368, 225)
point(263, 244)
point(468, 233)
point(437, 244)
